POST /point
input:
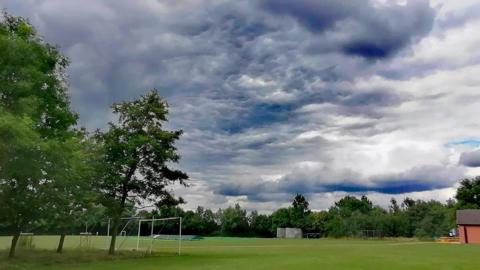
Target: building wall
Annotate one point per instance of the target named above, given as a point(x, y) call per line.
point(469, 234)
point(293, 233)
point(289, 233)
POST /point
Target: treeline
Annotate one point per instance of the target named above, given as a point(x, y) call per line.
point(349, 217)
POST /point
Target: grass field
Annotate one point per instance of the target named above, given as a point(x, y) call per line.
point(250, 253)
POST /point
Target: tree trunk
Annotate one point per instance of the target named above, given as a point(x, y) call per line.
point(118, 214)
point(60, 243)
point(114, 232)
point(13, 246)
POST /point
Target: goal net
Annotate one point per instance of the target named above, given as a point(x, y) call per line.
point(370, 234)
point(127, 233)
point(160, 235)
point(85, 240)
point(151, 235)
point(25, 241)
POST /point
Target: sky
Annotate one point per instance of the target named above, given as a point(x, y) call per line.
point(276, 97)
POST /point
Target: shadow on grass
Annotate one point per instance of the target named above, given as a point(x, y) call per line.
point(34, 259)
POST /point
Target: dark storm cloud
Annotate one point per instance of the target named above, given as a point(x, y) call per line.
point(417, 179)
point(373, 31)
point(470, 159)
point(317, 16)
point(245, 80)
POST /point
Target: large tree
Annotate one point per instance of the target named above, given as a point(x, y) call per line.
point(137, 151)
point(468, 194)
point(35, 117)
point(33, 79)
point(74, 171)
point(22, 179)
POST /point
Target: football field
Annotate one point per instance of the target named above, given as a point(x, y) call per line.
point(251, 253)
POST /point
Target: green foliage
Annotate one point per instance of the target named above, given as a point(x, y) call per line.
point(468, 194)
point(36, 126)
point(234, 221)
point(349, 204)
point(260, 224)
point(24, 165)
point(136, 152)
point(32, 76)
point(75, 170)
point(281, 218)
point(299, 211)
point(429, 219)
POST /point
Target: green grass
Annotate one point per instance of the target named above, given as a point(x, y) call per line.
point(235, 253)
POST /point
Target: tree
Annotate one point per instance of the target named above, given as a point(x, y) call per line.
point(349, 204)
point(35, 117)
point(208, 222)
point(468, 194)
point(33, 80)
point(234, 221)
point(75, 170)
point(136, 152)
point(22, 190)
point(300, 203)
point(281, 218)
point(260, 224)
point(394, 208)
point(316, 222)
point(299, 211)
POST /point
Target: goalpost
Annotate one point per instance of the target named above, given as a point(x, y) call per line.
point(167, 231)
point(26, 240)
point(125, 233)
point(370, 234)
point(162, 235)
point(85, 240)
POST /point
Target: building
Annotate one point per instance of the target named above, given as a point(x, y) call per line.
point(468, 222)
point(293, 233)
point(289, 233)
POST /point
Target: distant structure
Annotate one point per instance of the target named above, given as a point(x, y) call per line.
point(289, 233)
point(468, 222)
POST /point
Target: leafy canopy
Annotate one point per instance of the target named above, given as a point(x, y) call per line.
point(137, 151)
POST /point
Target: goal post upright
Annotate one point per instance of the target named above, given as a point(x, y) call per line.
point(138, 235)
point(152, 235)
point(180, 238)
point(108, 227)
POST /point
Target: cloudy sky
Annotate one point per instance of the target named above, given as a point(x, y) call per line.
point(276, 97)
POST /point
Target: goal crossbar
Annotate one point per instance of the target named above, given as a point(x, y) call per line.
point(153, 220)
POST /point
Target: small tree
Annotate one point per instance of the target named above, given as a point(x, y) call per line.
point(136, 153)
point(300, 211)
